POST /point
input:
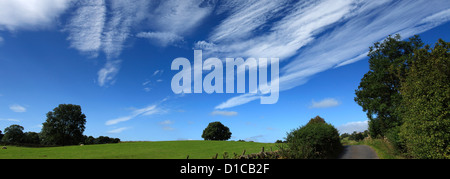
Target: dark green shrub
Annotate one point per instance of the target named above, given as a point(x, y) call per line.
point(316, 140)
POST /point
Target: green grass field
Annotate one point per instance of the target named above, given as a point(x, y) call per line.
point(137, 150)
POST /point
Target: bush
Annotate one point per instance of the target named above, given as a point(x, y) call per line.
point(88, 140)
point(316, 140)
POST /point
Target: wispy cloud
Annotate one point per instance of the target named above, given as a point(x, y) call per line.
point(148, 84)
point(10, 120)
point(245, 18)
point(180, 17)
point(168, 128)
point(224, 113)
point(326, 103)
point(163, 38)
point(315, 37)
point(124, 16)
point(17, 108)
point(166, 122)
point(108, 72)
point(149, 110)
point(172, 19)
point(118, 130)
point(85, 26)
point(166, 125)
point(98, 26)
point(30, 14)
point(236, 101)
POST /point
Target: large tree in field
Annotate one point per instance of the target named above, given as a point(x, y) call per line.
point(426, 99)
point(216, 131)
point(13, 134)
point(379, 91)
point(64, 126)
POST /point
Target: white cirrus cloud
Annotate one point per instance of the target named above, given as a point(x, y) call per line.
point(149, 110)
point(315, 37)
point(118, 130)
point(238, 100)
point(325, 103)
point(17, 108)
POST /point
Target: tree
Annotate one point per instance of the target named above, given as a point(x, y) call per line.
point(13, 134)
point(64, 126)
point(31, 138)
point(216, 131)
point(426, 99)
point(379, 90)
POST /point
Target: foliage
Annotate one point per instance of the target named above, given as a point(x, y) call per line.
point(316, 119)
point(406, 95)
point(13, 134)
point(356, 136)
point(426, 99)
point(216, 131)
point(383, 148)
point(64, 126)
point(379, 90)
point(31, 138)
point(100, 140)
point(315, 140)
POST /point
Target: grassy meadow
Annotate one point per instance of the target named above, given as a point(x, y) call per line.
point(137, 150)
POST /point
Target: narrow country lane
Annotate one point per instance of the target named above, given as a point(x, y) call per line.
point(358, 152)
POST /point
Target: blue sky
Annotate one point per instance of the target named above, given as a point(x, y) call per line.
point(113, 58)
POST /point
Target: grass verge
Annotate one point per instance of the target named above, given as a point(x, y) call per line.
point(382, 147)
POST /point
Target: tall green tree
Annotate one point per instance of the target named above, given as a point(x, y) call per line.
point(425, 104)
point(13, 134)
point(379, 91)
point(64, 126)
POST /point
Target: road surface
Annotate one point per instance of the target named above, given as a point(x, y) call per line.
point(358, 152)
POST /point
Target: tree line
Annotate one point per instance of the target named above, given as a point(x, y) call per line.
point(64, 126)
point(406, 95)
